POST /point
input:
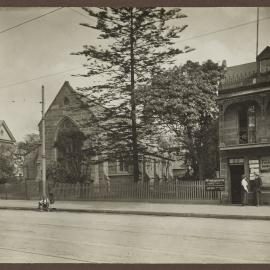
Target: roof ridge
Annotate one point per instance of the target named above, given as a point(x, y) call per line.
point(3, 123)
point(254, 62)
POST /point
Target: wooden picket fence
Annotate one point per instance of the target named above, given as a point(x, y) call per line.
point(192, 191)
point(184, 190)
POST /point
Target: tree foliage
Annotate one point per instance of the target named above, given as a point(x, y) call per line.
point(7, 163)
point(31, 141)
point(184, 100)
point(135, 43)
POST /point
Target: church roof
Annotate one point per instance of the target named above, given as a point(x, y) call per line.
point(5, 134)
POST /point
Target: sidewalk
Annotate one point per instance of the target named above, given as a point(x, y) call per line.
point(147, 208)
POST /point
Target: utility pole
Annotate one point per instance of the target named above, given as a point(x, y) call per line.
point(257, 33)
point(44, 196)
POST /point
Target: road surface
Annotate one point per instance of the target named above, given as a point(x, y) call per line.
point(41, 237)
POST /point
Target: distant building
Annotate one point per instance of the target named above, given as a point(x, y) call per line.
point(179, 169)
point(244, 126)
point(7, 143)
point(68, 111)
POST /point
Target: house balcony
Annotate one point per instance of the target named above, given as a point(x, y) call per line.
point(246, 136)
point(245, 80)
point(224, 147)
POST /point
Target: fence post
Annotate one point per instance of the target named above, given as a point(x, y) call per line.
point(39, 188)
point(25, 188)
point(5, 191)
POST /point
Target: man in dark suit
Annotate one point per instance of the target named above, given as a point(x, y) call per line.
point(257, 189)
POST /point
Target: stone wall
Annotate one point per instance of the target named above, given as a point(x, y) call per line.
point(65, 105)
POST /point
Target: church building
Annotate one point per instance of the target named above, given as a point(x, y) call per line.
point(69, 111)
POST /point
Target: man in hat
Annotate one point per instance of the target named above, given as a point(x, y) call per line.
point(257, 189)
point(244, 189)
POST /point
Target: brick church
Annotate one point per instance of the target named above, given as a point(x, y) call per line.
point(68, 111)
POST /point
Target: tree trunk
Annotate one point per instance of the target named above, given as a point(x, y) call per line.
point(194, 159)
point(133, 104)
point(201, 172)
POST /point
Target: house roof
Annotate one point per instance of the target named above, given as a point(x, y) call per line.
point(265, 54)
point(247, 69)
point(5, 134)
point(247, 74)
point(239, 70)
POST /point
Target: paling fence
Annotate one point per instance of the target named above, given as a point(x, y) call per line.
point(23, 191)
point(182, 191)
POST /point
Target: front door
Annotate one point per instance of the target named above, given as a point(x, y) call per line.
point(236, 173)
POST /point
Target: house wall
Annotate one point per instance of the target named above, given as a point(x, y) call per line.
point(254, 154)
point(230, 130)
point(260, 156)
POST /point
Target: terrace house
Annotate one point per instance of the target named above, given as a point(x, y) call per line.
point(244, 126)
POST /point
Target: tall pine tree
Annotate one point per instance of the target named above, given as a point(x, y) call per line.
point(135, 43)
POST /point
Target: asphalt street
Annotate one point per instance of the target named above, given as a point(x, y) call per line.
point(61, 237)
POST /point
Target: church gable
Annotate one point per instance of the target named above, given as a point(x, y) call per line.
point(65, 99)
point(67, 104)
point(5, 134)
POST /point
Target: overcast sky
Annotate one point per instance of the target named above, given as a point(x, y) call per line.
point(42, 48)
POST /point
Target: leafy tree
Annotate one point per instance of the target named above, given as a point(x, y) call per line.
point(136, 43)
point(31, 141)
point(7, 163)
point(30, 144)
point(183, 99)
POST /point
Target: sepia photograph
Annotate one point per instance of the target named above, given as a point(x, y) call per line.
point(134, 135)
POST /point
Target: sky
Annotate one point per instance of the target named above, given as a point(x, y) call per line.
point(39, 52)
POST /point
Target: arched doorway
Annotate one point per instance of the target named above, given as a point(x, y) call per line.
point(71, 158)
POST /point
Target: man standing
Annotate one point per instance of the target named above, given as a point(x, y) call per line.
point(244, 189)
point(257, 189)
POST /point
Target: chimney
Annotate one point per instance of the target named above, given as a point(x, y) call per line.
point(224, 64)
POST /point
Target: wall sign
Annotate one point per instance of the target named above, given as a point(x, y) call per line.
point(254, 167)
point(265, 170)
point(265, 163)
point(236, 161)
point(215, 184)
